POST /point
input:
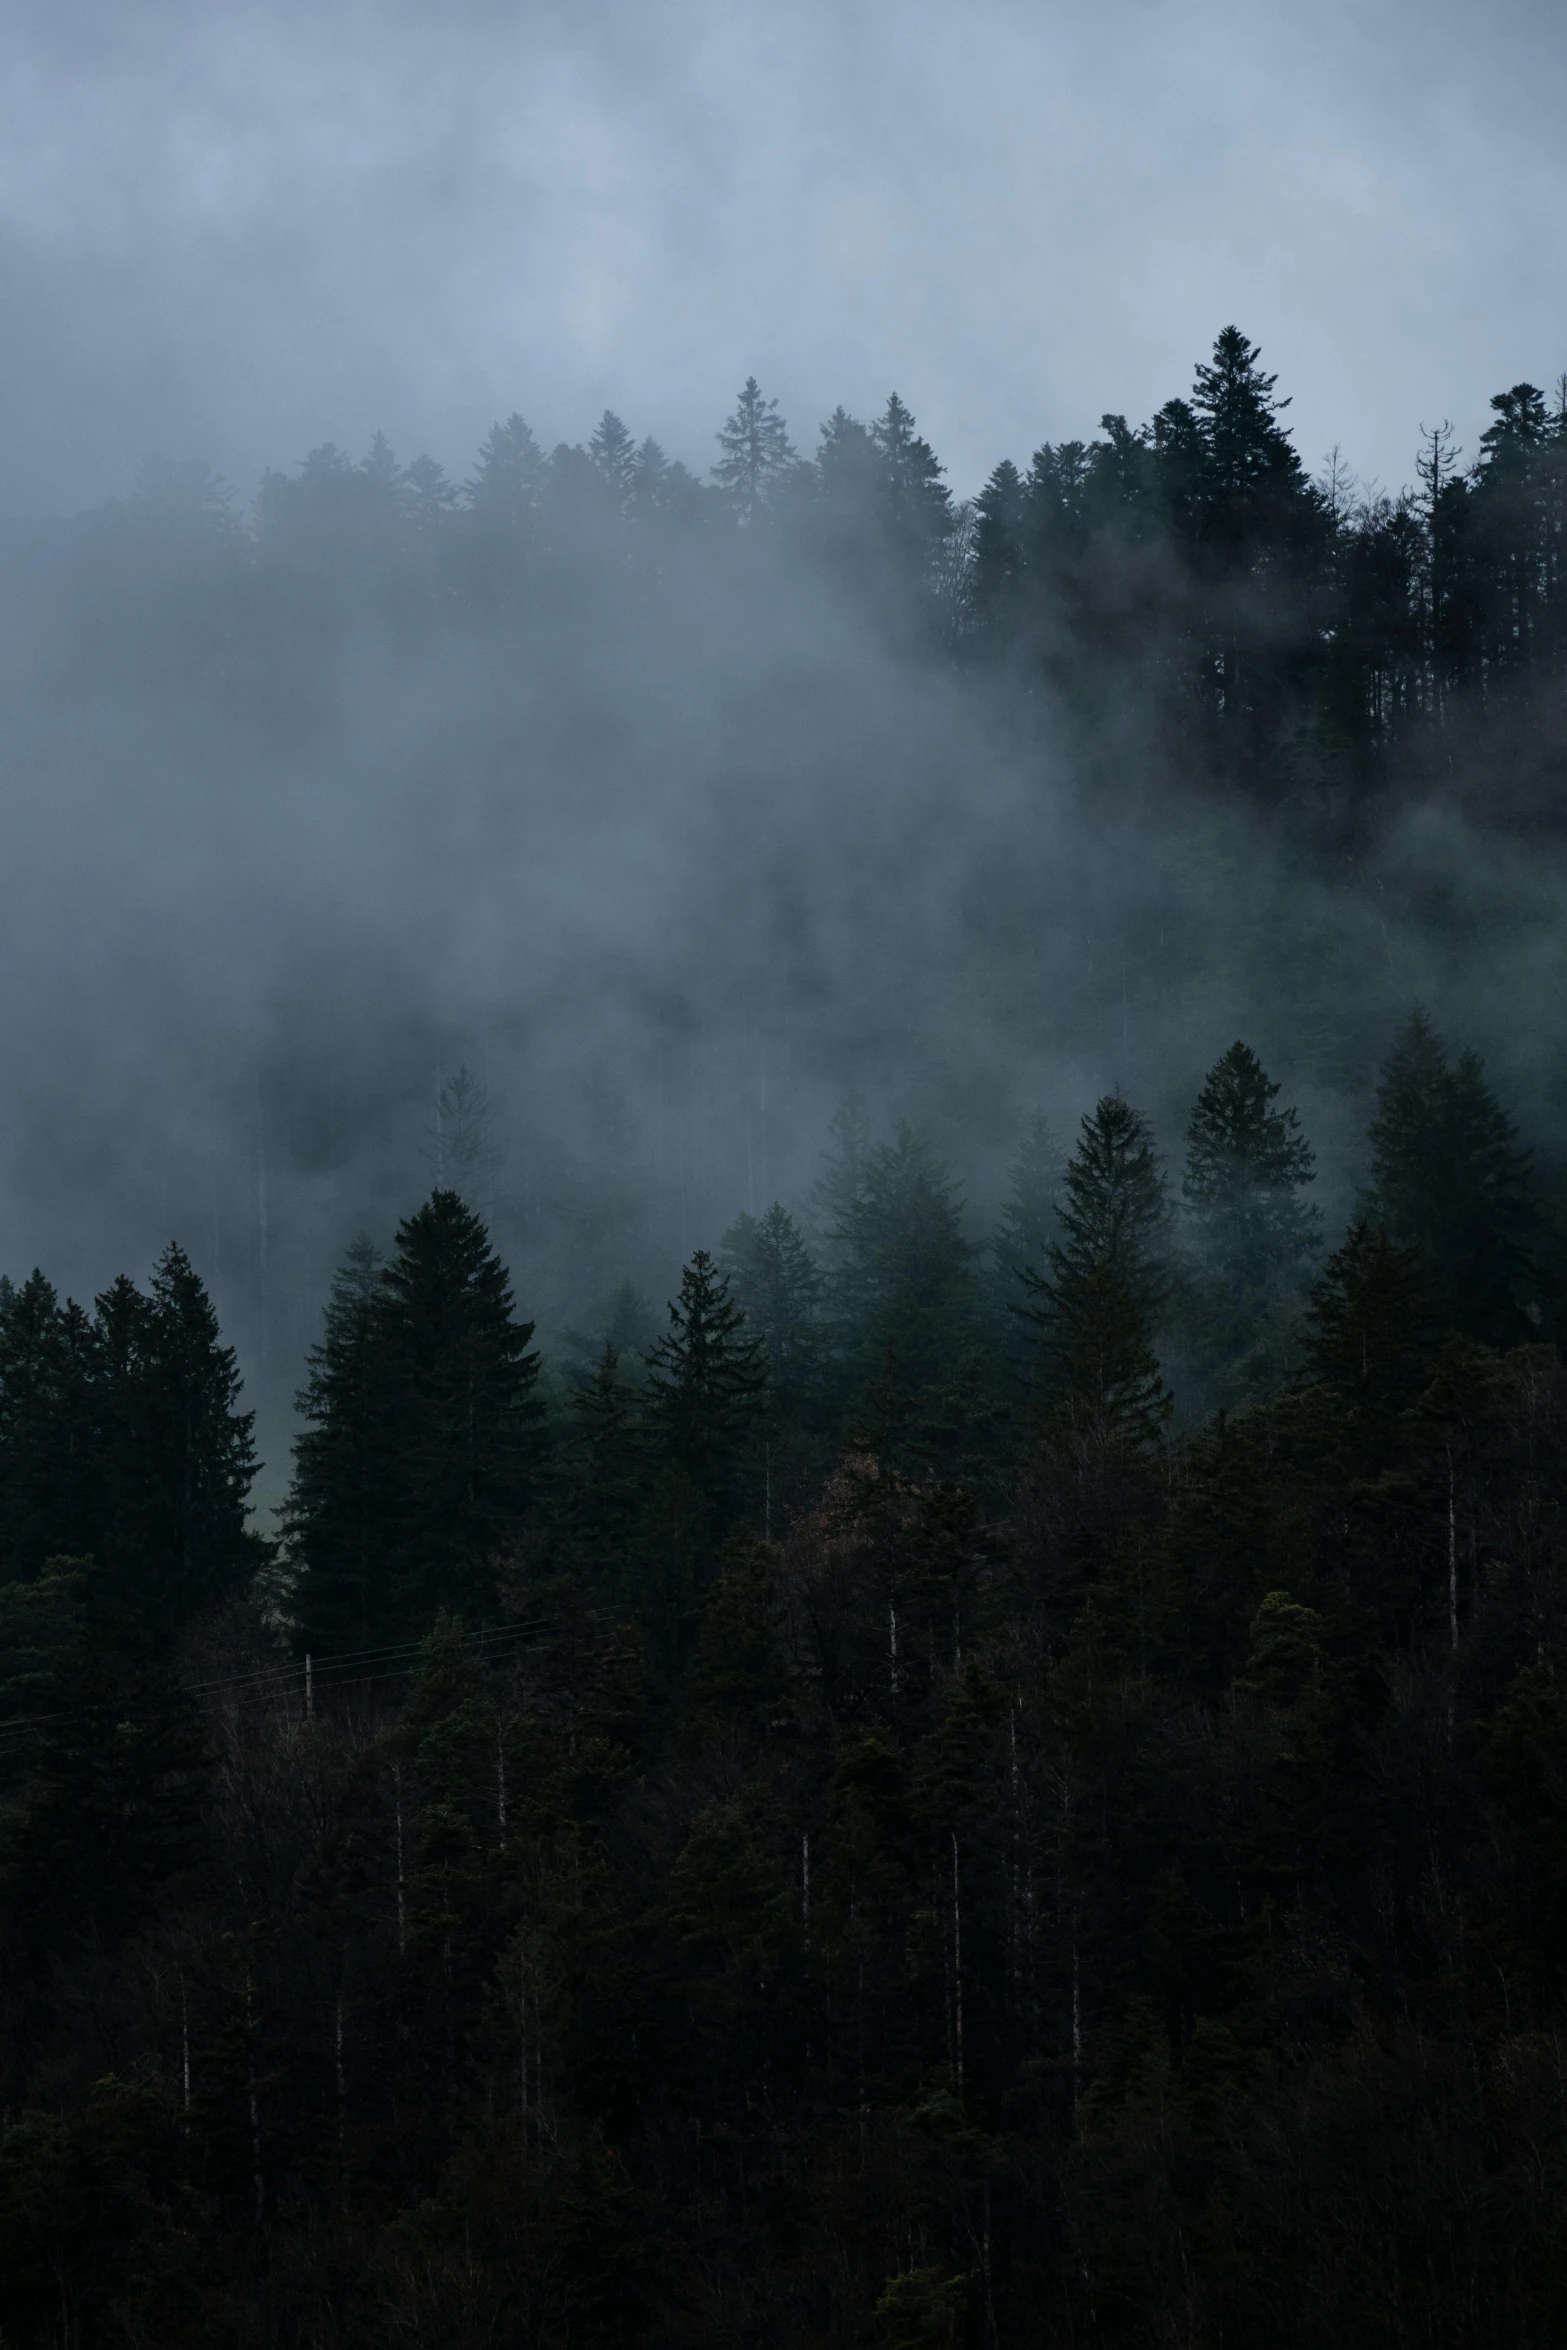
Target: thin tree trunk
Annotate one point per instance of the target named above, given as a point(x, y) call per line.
point(957, 1962)
point(402, 1907)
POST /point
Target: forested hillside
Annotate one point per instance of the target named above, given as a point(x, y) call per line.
point(839, 1819)
point(902, 1688)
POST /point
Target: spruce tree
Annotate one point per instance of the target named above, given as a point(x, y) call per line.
point(605, 1465)
point(781, 1291)
point(51, 1457)
point(1027, 1224)
point(757, 454)
point(1098, 1375)
point(904, 1281)
point(425, 1448)
point(341, 1512)
point(1114, 1208)
point(177, 1453)
point(614, 452)
point(504, 491)
point(705, 1381)
point(470, 1438)
point(1449, 1180)
point(1369, 1335)
point(1250, 1232)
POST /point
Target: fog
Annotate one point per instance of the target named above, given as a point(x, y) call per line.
point(234, 231)
point(670, 854)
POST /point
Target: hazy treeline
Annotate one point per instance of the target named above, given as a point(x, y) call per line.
point(673, 806)
point(833, 1818)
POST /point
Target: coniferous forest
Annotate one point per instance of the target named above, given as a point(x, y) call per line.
point(894, 1680)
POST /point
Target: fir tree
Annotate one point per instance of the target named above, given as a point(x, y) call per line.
point(1028, 1225)
point(757, 454)
point(705, 1382)
point(1114, 1208)
point(425, 1448)
point(916, 505)
point(904, 1282)
point(1247, 450)
point(339, 1520)
point(1369, 1335)
point(178, 1455)
point(604, 1463)
point(1251, 1233)
point(781, 1292)
point(506, 481)
point(1449, 1180)
point(470, 1437)
point(614, 452)
point(52, 1497)
point(1098, 1375)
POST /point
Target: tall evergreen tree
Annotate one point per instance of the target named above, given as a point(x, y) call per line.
point(426, 1448)
point(614, 452)
point(1251, 1234)
point(781, 1291)
point(1449, 1179)
point(1114, 1207)
point(471, 1439)
point(178, 1453)
point(705, 1382)
point(52, 1497)
point(505, 486)
point(1028, 1223)
point(757, 454)
point(340, 1516)
point(904, 1278)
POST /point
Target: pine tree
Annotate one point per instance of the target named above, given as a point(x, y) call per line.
point(916, 505)
point(757, 454)
point(1028, 1224)
point(842, 1182)
point(781, 1291)
point(1114, 1209)
point(904, 1281)
point(1098, 1376)
point(1251, 1233)
point(705, 1382)
point(178, 1454)
point(425, 1447)
point(51, 1457)
point(1450, 1181)
point(340, 1517)
point(999, 569)
point(605, 1464)
point(614, 452)
point(1369, 1335)
point(471, 1448)
point(1247, 450)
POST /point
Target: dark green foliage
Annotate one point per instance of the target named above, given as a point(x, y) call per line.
point(782, 1293)
point(1251, 1234)
point(1079, 1884)
point(121, 1441)
point(1450, 1181)
point(1097, 1375)
point(705, 1381)
point(904, 1283)
point(1114, 1208)
point(1028, 1225)
point(425, 1447)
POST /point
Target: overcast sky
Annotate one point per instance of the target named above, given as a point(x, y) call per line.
point(235, 228)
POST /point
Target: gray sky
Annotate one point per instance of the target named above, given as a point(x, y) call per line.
point(234, 228)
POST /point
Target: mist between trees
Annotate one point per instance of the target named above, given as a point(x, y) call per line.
point(671, 809)
point(903, 1685)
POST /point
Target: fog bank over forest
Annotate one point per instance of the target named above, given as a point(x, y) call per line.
point(671, 809)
